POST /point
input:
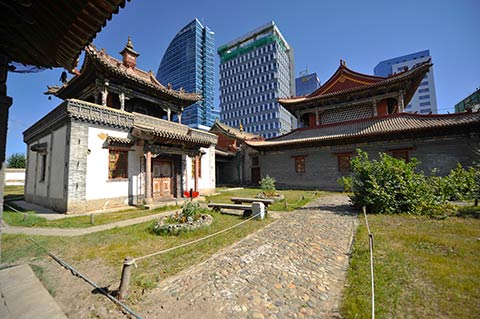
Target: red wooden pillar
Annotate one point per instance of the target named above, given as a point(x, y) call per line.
point(196, 173)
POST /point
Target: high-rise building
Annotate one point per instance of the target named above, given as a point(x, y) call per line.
point(306, 83)
point(470, 103)
point(188, 64)
point(424, 101)
point(255, 70)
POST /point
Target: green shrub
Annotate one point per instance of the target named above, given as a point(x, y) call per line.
point(458, 184)
point(267, 184)
point(390, 185)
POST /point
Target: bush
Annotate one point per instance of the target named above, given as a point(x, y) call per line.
point(390, 185)
point(16, 160)
point(267, 184)
point(459, 184)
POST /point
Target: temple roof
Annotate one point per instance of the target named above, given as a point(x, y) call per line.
point(150, 128)
point(99, 60)
point(233, 132)
point(348, 84)
point(402, 125)
point(52, 33)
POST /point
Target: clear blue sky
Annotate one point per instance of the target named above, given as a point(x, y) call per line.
point(321, 32)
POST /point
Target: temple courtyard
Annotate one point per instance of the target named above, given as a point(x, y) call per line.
point(308, 259)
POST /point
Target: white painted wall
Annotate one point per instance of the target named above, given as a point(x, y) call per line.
point(14, 176)
point(98, 186)
point(57, 161)
point(206, 182)
point(41, 186)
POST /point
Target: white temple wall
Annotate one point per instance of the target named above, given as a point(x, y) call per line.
point(98, 185)
point(57, 176)
point(206, 181)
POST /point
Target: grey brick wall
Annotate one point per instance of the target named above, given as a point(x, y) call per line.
point(321, 164)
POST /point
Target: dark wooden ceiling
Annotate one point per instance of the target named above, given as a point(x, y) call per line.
point(51, 33)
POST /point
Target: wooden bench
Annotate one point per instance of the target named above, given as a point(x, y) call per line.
point(247, 209)
point(240, 200)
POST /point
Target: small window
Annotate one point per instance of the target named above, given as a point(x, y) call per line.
point(43, 167)
point(118, 164)
point(344, 162)
point(400, 154)
point(300, 164)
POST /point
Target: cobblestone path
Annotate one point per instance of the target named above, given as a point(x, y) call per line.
point(293, 268)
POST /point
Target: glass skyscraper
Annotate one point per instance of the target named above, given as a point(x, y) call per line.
point(306, 84)
point(424, 101)
point(255, 70)
point(188, 64)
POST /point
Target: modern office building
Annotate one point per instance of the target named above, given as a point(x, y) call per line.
point(424, 101)
point(255, 70)
point(188, 64)
point(470, 103)
point(306, 83)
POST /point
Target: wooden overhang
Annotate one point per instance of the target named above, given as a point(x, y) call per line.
point(99, 65)
point(346, 85)
point(383, 128)
point(51, 33)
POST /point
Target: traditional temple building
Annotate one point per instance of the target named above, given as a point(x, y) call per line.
point(112, 142)
point(357, 111)
point(233, 164)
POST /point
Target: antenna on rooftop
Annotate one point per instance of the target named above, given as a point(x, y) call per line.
point(304, 72)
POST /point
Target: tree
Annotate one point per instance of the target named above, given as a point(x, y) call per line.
point(16, 160)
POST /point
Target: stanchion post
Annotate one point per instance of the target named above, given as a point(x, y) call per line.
point(92, 219)
point(125, 280)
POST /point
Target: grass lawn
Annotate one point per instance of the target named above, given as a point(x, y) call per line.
point(293, 198)
point(112, 246)
point(13, 218)
point(424, 268)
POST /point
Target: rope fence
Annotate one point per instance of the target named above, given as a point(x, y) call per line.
point(78, 274)
point(370, 244)
point(131, 261)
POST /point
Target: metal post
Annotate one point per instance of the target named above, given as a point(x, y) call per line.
point(92, 219)
point(125, 280)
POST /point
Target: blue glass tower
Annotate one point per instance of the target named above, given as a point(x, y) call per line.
point(188, 64)
point(306, 84)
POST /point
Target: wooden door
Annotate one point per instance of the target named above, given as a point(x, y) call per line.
point(255, 175)
point(162, 179)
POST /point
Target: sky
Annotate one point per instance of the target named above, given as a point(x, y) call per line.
point(321, 33)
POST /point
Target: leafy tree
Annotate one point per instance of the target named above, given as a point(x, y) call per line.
point(16, 160)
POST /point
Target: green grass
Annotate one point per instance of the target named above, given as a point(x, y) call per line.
point(33, 220)
point(424, 268)
point(293, 198)
point(112, 246)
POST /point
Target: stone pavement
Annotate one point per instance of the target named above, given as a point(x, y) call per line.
point(293, 268)
point(22, 296)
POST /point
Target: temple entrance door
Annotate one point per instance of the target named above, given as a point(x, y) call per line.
point(255, 175)
point(162, 179)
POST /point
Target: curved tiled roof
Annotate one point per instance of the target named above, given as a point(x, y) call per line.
point(135, 74)
point(358, 83)
point(402, 123)
point(233, 132)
